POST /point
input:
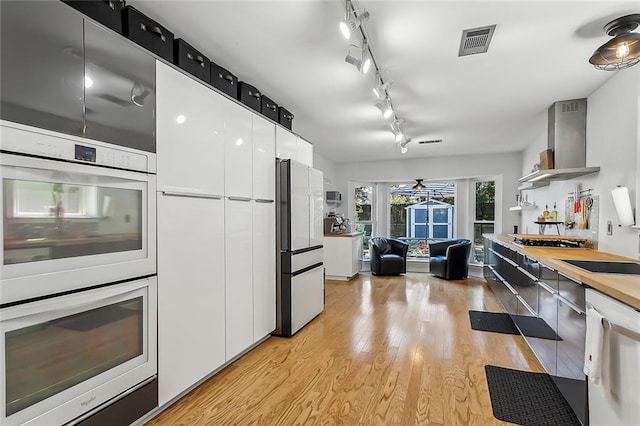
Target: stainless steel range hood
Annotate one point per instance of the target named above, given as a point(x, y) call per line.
point(567, 137)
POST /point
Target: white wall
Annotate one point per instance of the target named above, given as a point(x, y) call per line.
point(327, 167)
point(613, 144)
point(507, 167)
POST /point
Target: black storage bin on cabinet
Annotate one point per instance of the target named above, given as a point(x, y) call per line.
point(269, 108)
point(224, 80)
point(143, 30)
point(108, 13)
point(191, 60)
point(249, 95)
point(285, 117)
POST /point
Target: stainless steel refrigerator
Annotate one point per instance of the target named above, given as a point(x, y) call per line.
point(300, 270)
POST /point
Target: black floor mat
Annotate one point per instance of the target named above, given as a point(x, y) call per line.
point(500, 322)
point(527, 398)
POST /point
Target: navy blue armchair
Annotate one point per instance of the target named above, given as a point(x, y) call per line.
point(388, 256)
point(450, 259)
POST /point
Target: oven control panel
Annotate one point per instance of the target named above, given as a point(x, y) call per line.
point(27, 140)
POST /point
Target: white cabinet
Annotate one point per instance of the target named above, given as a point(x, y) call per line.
point(316, 207)
point(238, 240)
point(342, 254)
point(286, 144)
point(189, 133)
point(264, 159)
point(264, 269)
point(191, 303)
point(304, 152)
point(238, 165)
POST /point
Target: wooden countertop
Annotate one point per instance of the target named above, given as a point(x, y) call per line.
point(625, 288)
point(345, 234)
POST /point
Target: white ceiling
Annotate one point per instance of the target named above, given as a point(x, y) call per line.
point(488, 103)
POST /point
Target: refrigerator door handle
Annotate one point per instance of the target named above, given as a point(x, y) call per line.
point(239, 199)
point(263, 200)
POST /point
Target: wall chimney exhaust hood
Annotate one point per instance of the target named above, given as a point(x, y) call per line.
point(567, 137)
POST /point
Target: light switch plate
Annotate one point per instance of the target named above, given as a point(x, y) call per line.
point(609, 228)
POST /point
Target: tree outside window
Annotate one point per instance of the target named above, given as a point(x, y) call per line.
point(484, 222)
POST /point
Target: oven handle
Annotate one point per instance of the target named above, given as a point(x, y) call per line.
point(188, 193)
point(72, 301)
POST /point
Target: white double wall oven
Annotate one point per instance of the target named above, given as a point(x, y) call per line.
point(77, 282)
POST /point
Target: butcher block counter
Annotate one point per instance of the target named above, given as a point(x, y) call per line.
point(625, 288)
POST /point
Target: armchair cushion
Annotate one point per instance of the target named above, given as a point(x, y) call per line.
point(388, 256)
point(450, 259)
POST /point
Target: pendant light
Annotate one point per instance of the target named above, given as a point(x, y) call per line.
point(418, 186)
point(623, 51)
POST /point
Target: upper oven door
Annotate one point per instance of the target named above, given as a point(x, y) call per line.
point(67, 226)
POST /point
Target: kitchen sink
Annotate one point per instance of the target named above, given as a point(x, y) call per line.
point(599, 266)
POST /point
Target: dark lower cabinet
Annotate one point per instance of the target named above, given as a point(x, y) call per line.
point(546, 349)
point(41, 65)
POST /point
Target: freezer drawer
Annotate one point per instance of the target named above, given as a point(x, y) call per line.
point(301, 259)
point(307, 297)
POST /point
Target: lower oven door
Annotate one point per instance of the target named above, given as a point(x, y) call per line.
point(64, 356)
point(69, 226)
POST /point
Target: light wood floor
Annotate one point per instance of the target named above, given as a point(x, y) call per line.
point(386, 350)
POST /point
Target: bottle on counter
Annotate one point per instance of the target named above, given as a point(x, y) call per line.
point(545, 214)
point(554, 213)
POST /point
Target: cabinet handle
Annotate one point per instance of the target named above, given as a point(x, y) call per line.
point(547, 287)
point(155, 30)
point(634, 335)
point(227, 77)
point(239, 199)
point(271, 107)
point(526, 305)
point(524, 271)
point(263, 200)
point(570, 305)
point(254, 94)
point(511, 289)
point(288, 116)
point(173, 193)
point(199, 59)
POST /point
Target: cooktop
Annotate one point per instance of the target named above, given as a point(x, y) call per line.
point(599, 266)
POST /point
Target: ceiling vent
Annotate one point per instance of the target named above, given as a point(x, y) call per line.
point(430, 141)
point(476, 40)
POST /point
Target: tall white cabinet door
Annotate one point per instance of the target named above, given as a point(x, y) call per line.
point(286, 144)
point(191, 310)
point(264, 269)
point(304, 152)
point(190, 132)
point(238, 165)
point(316, 207)
point(264, 159)
point(299, 206)
point(239, 276)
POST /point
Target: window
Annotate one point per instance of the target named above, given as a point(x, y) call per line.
point(484, 222)
point(43, 199)
point(420, 216)
point(364, 214)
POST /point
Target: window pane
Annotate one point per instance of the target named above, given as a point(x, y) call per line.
point(478, 243)
point(485, 200)
point(364, 201)
point(440, 215)
point(440, 231)
point(420, 231)
point(421, 215)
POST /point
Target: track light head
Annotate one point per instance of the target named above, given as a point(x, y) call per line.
point(352, 22)
point(381, 89)
point(385, 107)
point(403, 145)
point(396, 128)
point(364, 63)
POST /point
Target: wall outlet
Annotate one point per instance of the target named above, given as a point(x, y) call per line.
point(609, 228)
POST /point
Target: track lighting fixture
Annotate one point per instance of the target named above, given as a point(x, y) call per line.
point(623, 51)
point(351, 22)
point(364, 63)
point(385, 107)
point(396, 128)
point(403, 145)
point(381, 89)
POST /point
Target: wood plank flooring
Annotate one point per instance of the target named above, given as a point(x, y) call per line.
point(386, 350)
